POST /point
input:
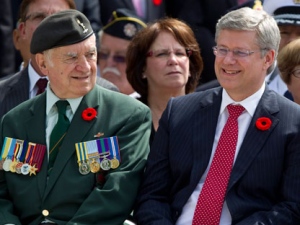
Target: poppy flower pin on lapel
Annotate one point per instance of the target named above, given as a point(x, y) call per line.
point(89, 114)
point(263, 123)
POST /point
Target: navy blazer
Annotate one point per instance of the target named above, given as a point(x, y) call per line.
point(14, 90)
point(265, 181)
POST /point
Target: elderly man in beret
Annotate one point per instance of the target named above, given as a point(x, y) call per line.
point(114, 39)
point(68, 157)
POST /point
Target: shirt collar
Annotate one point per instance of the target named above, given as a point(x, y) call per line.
point(249, 103)
point(33, 77)
point(52, 99)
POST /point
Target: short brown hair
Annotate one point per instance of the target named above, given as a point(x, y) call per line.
point(23, 10)
point(140, 45)
point(288, 58)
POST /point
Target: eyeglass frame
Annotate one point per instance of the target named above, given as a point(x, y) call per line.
point(188, 53)
point(293, 73)
point(235, 52)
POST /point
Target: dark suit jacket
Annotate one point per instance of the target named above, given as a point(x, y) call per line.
point(153, 12)
point(72, 198)
point(265, 180)
point(91, 9)
point(14, 89)
point(7, 49)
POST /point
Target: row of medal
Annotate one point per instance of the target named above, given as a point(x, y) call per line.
point(98, 154)
point(21, 157)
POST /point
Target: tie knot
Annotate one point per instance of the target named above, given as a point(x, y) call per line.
point(41, 84)
point(235, 110)
point(62, 106)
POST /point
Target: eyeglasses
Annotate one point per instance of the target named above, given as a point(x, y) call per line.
point(237, 53)
point(37, 16)
point(164, 53)
point(296, 73)
point(116, 58)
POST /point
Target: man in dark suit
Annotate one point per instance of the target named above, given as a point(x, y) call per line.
point(262, 180)
point(152, 10)
point(22, 86)
point(100, 161)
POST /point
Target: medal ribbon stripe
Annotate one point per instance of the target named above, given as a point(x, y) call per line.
point(6, 147)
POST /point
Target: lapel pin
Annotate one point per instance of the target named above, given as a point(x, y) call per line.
point(98, 135)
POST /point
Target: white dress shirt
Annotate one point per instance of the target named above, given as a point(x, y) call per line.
point(244, 120)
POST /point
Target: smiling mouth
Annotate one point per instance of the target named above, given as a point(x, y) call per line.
point(81, 78)
point(231, 71)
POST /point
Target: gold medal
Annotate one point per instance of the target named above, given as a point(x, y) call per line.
point(95, 166)
point(12, 166)
point(114, 163)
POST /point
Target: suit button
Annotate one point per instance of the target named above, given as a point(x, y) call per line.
point(45, 212)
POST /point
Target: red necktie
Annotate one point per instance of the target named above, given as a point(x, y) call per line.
point(41, 84)
point(211, 199)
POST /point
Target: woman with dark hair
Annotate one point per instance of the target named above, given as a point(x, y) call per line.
point(163, 61)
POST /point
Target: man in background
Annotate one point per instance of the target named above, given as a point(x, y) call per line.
point(114, 39)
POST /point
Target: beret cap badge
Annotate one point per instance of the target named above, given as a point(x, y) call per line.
point(130, 30)
point(82, 25)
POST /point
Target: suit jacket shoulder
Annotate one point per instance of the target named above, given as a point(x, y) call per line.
point(14, 89)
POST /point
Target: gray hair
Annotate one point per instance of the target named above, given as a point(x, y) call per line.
point(48, 54)
point(247, 19)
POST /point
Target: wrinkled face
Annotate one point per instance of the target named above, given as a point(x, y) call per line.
point(71, 69)
point(294, 85)
point(241, 76)
point(112, 62)
point(288, 33)
point(37, 11)
point(167, 64)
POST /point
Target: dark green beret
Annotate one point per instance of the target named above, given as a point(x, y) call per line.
point(60, 29)
point(124, 24)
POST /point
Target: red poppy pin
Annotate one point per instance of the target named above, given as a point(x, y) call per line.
point(263, 123)
point(89, 114)
point(157, 2)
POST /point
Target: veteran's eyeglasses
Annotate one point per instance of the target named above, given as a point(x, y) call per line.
point(296, 73)
point(36, 16)
point(237, 53)
point(116, 58)
point(165, 53)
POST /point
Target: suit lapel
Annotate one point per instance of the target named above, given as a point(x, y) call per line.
point(203, 139)
point(36, 130)
point(267, 107)
point(76, 133)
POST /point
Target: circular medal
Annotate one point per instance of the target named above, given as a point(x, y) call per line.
point(95, 166)
point(84, 168)
point(6, 164)
point(12, 166)
point(25, 169)
point(105, 164)
point(19, 167)
point(114, 163)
